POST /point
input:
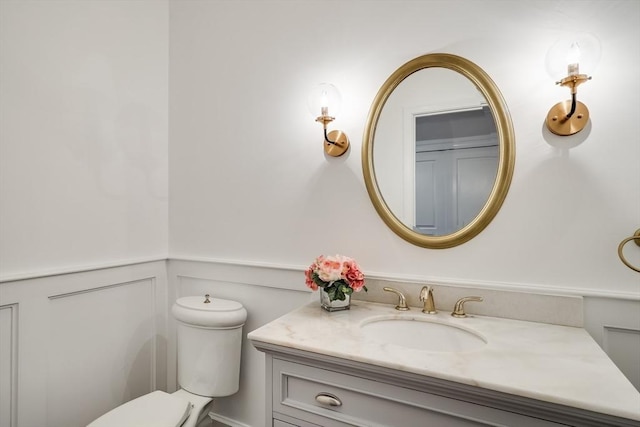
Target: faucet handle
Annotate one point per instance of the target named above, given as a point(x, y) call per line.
point(402, 302)
point(426, 295)
point(458, 308)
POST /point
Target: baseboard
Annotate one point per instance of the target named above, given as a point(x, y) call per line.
point(226, 422)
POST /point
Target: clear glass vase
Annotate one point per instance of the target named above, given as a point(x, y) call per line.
point(335, 305)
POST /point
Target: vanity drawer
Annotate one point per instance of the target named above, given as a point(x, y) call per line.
point(306, 392)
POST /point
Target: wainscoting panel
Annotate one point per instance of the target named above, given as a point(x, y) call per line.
point(615, 325)
point(86, 343)
point(76, 344)
point(8, 364)
point(623, 347)
point(109, 327)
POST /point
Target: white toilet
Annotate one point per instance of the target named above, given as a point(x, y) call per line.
point(209, 344)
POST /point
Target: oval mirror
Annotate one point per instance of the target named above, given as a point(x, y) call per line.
point(438, 151)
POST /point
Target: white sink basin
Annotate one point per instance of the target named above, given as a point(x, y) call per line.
point(420, 334)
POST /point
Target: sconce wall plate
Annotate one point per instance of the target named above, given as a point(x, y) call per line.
point(338, 145)
point(559, 123)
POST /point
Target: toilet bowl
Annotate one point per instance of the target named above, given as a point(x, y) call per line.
point(209, 332)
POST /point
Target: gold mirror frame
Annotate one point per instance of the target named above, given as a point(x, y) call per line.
point(506, 141)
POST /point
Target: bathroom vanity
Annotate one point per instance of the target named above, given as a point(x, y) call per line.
point(374, 366)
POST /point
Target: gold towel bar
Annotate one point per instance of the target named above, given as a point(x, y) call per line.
point(636, 237)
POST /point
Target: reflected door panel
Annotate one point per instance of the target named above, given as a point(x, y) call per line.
point(476, 174)
point(426, 195)
point(452, 187)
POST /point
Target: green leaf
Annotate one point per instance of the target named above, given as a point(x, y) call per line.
point(318, 281)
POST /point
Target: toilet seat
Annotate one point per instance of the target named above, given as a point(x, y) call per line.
point(156, 409)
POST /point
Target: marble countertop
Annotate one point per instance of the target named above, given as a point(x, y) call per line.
point(557, 364)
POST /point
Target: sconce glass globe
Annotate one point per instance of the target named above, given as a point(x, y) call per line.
point(324, 100)
point(581, 48)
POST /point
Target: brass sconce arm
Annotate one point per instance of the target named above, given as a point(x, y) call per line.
point(569, 117)
point(573, 82)
point(336, 142)
point(325, 120)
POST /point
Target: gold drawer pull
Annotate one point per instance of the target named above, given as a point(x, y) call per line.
point(328, 399)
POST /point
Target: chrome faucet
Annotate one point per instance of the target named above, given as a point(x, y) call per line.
point(426, 296)
point(458, 308)
point(402, 302)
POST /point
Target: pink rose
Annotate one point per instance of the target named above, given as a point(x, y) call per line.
point(329, 269)
point(308, 277)
point(353, 275)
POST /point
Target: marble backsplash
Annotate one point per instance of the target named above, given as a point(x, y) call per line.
point(553, 309)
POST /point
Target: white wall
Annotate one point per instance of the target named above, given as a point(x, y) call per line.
point(84, 135)
point(83, 184)
point(249, 180)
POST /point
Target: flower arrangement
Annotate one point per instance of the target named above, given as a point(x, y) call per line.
point(338, 275)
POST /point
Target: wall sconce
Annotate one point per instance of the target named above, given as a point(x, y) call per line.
point(571, 116)
point(323, 99)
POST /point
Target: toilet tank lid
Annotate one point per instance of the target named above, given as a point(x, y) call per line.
point(216, 313)
point(157, 409)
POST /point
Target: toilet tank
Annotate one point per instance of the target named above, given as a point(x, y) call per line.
point(209, 344)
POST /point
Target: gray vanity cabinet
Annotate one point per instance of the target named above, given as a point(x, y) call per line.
point(365, 402)
point(308, 390)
